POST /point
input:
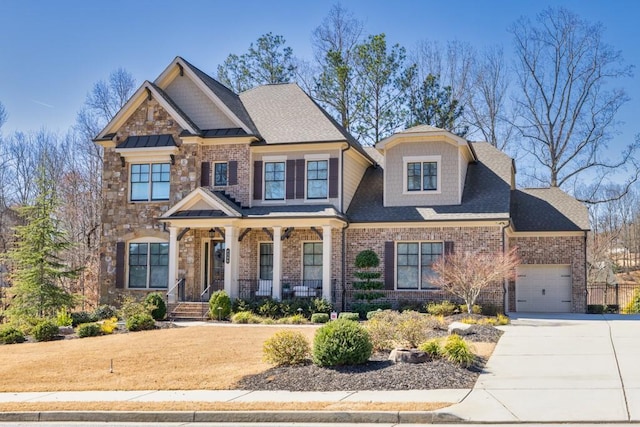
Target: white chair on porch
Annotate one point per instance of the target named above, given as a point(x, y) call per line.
point(264, 288)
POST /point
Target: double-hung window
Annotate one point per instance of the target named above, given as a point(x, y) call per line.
point(150, 181)
point(148, 265)
point(312, 264)
point(414, 261)
point(220, 174)
point(274, 173)
point(266, 261)
point(317, 179)
point(422, 174)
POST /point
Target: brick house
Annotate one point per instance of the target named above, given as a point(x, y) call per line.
point(263, 194)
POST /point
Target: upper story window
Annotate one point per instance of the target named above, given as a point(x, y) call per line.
point(148, 265)
point(317, 179)
point(274, 173)
point(414, 261)
point(422, 174)
point(220, 174)
point(150, 181)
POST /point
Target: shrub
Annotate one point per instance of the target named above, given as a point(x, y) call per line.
point(490, 310)
point(46, 330)
point(349, 316)
point(109, 325)
point(81, 317)
point(320, 305)
point(362, 308)
point(457, 350)
point(155, 303)
point(105, 311)
point(475, 309)
point(296, 319)
point(372, 314)
point(63, 318)
point(444, 308)
point(502, 319)
point(270, 308)
point(433, 347)
point(140, 322)
point(11, 335)
point(88, 330)
point(595, 309)
point(413, 328)
point(131, 307)
point(382, 329)
point(319, 318)
point(240, 304)
point(342, 342)
point(219, 305)
point(25, 324)
point(633, 307)
point(245, 317)
point(286, 348)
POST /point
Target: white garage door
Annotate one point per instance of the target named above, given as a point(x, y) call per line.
point(543, 288)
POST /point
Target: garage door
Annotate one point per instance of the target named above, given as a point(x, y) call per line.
point(543, 288)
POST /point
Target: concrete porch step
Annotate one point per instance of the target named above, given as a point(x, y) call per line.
point(188, 311)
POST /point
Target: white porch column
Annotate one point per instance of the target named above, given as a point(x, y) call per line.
point(326, 262)
point(173, 264)
point(276, 289)
point(231, 256)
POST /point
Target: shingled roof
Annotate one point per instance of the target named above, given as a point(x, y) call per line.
point(486, 194)
point(547, 209)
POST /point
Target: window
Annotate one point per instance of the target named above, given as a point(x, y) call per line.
point(414, 261)
point(266, 261)
point(274, 181)
point(312, 264)
point(150, 182)
point(422, 176)
point(317, 179)
point(220, 175)
point(148, 265)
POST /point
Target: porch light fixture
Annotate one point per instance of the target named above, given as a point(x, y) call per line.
point(212, 233)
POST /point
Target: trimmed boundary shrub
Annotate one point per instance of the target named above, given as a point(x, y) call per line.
point(219, 305)
point(46, 330)
point(140, 322)
point(155, 302)
point(341, 342)
point(349, 316)
point(11, 335)
point(319, 318)
point(89, 330)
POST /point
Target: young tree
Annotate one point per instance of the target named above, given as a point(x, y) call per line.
point(380, 88)
point(467, 274)
point(37, 268)
point(367, 281)
point(269, 61)
point(334, 43)
point(434, 105)
point(567, 102)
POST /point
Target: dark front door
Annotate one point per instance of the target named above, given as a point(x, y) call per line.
point(213, 266)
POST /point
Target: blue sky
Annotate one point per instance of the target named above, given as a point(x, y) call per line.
point(52, 52)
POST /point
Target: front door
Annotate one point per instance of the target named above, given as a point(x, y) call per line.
point(213, 268)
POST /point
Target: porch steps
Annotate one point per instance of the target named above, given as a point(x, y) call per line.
point(184, 311)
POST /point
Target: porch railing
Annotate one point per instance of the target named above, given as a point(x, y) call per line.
point(250, 289)
point(180, 287)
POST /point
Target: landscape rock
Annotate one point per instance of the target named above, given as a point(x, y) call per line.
point(65, 330)
point(403, 355)
point(460, 328)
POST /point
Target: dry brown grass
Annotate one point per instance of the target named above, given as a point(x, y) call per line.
point(202, 357)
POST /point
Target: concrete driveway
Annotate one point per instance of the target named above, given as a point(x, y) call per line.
point(560, 368)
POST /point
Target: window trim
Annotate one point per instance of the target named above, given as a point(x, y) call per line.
point(396, 253)
point(260, 243)
point(421, 159)
point(213, 172)
point(147, 241)
point(150, 182)
point(265, 161)
point(306, 179)
point(302, 264)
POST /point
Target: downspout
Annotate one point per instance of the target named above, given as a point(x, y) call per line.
point(505, 302)
point(586, 291)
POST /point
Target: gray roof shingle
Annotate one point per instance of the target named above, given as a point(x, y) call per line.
point(547, 209)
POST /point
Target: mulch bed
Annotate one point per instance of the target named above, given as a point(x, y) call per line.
point(377, 374)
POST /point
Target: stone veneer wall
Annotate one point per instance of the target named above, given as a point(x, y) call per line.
point(225, 153)
point(123, 220)
point(555, 250)
point(487, 238)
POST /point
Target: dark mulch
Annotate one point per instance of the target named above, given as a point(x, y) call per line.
point(377, 374)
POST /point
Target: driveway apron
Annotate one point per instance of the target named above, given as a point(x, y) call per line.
point(560, 368)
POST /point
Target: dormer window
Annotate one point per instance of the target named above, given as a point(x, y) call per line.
point(422, 174)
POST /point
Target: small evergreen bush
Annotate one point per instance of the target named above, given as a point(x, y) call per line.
point(444, 308)
point(88, 330)
point(475, 309)
point(140, 322)
point(286, 348)
point(502, 319)
point(131, 307)
point(320, 305)
point(105, 311)
point(245, 317)
point(433, 347)
point(270, 308)
point(63, 318)
point(296, 319)
point(46, 330)
point(81, 317)
point(319, 318)
point(11, 335)
point(457, 350)
point(349, 316)
point(155, 303)
point(219, 305)
point(342, 342)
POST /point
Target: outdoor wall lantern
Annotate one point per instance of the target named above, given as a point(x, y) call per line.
point(212, 233)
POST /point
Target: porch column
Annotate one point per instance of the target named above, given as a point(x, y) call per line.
point(231, 257)
point(276, 289)
point(173, 264)
point(326, 262)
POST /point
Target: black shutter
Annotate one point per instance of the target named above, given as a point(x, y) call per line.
point(257, 180)
point(120, 267)
point(205, 174)
point(448, 248)
point(300, 178)
point(389, 265)
point(333, 177)
point(290, 179)
point(233, 172)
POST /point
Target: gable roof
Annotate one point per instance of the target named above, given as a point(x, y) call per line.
point(486, 194)
point(547, 209)
point(427, 131)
